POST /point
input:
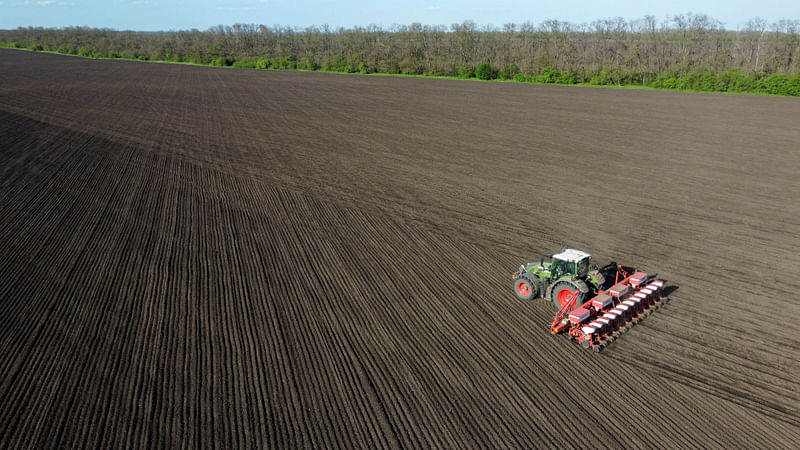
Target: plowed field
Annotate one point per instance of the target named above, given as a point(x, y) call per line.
point(200, 257)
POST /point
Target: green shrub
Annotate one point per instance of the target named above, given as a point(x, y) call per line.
point(607, 76)
point(567, 78)
point(221, 61)
point(725, 80)
point(549, 74)
point(743, 83)
point(664, 81)
point(248, 63)
point(308, 64)
point(699, 79)
point(670, 83)
point(286, 63)
point(336, 65)
point(522, 78)
point(508, 73)
point(485, 72)
point(262, 63)
point(466, 72)
point(776, 84)
point(793, 86)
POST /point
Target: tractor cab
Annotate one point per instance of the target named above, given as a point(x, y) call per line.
point(570, 262)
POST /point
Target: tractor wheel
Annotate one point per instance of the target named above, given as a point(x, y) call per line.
point(565, 291)
point(527, 286)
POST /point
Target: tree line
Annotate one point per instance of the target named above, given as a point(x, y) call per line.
point(685, 51)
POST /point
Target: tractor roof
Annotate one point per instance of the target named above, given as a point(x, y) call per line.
point(571, 255)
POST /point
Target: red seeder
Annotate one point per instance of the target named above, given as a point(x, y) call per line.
point(600, 320)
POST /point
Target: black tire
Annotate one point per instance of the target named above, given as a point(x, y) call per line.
point(526, 286)
point(571, 286)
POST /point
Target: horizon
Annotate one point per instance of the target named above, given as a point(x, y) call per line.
point(161, 16)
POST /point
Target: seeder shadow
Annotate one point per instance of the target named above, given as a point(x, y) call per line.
point(669, 289)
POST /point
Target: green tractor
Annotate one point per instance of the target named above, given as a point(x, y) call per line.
point(568, 275)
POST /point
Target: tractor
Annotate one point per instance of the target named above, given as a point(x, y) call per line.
point(594, 305)
point(568, 276)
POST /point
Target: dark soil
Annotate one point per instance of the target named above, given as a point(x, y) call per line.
point(201, 257)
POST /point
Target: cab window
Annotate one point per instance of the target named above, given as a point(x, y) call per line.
point(583, 267)
point(558, 266)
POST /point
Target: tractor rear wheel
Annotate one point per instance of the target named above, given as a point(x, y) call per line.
point(566, 291)
point(527, 286)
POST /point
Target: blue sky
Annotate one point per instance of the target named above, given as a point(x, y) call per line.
point(150, 15)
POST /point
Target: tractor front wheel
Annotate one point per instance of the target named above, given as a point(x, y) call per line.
point(526, 286)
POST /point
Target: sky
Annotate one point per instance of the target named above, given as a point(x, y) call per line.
point(155, 15)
